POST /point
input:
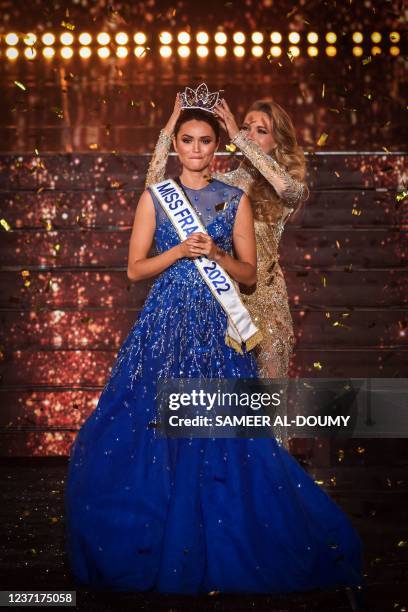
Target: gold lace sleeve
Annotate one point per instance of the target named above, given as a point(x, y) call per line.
point(288, 188)
point(157, 165)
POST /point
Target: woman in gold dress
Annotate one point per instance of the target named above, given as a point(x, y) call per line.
point(272, 174)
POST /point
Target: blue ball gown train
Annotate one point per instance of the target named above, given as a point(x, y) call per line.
point(184, 515)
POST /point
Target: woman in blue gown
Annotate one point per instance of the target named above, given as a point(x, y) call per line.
point(193, 515)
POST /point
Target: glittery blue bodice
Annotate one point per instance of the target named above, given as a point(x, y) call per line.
point(181, 515)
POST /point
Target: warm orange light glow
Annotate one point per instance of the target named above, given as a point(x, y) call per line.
point(103, 38)
point(30, 39)
point(85, 52)
point(122, 51)
point(184, 38)
point(220, 51)
point(239, 51)
point(312, 37)
point(12, 53)
point(165, 51)
point(122, 38)
point(104, 52)
point(48, 52)
point(202, 38)
point(183, 51)
point(67, 52)
point(294, 38)
point(165, 38)
point(331, 37)
point(11, 39)
point(220, 38)
point(66, 38)
point(239, 38)
point(30, 53)
point(276, 51)
point(257, 51)
point(48, 39)
point(85, 38)
point(140, 38)
point(202, 51)
point(331, 51)
point(276, 38)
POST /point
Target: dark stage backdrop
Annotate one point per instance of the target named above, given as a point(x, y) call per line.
point(75, 139)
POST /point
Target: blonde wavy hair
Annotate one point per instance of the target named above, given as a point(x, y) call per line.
point(265, 201)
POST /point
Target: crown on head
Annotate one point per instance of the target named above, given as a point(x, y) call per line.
point(199, 98)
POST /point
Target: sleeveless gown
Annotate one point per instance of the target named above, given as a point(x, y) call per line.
point(193, 515)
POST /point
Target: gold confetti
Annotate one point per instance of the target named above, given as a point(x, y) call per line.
point(20, 85)
point(68, 26)
point(319, 482)
point(337, 174)
point(360, 450)
point(317, 365)
point(26, 277)
point(4, 224)
point(47, 223)
point(401, 196)
point(36, 151)
point(152, 104)
point(324, 281)
point(58, 111)
point(231, 147)
point(385, 149)
point(338, 244)
point(323, 88)
point(366, 60)
point(368, 95)
point(402, 543)
point(94, 145)
point(340, 455)
point(356, 212)
point(327, 315)
point(322, 139)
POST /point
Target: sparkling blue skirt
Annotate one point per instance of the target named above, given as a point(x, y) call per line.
point(145, 513)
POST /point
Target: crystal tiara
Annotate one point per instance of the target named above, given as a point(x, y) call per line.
point(199, 98)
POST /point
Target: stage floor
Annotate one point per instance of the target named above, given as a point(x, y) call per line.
point(33, 549)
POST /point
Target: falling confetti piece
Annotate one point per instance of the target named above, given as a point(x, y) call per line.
point(323, 88)
point(338, 244)
point(58, 111)
point(67, 25)
point(94, 145)
point(402, 543)
point(366, 60)
point(231, 147)
point(356, 212)
point(324, 281)
point(4, 224)
point(340, 454)
point(36, 151)
point(152, 104)
point(360, 450)
point(385, 149)
point(368, 95)
point(317, 365)
point(20, 85)
point(327, 315)
point(322, 139)
point(337, 174)
point(401, 196)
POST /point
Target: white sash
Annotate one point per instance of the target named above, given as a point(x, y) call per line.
point(181, 213)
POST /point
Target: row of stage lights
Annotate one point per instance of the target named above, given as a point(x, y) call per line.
point(202, 39)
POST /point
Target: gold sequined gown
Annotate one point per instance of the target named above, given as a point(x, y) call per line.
point(267, 302)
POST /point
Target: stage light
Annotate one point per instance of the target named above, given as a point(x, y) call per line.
point(239, 51)
point(165, 38)
point(220, 51)
point(85, 38)
point(48, 52)
point(104, 52)
point(331, 37)
point(165, 51)
point(220, 38)
point(257, 51)
point(202, 51)
point(257, 38)
point(331, 51)
point(312, 51)
point(140, 51)
point(48, 39)
point(66, 39)
point(239, 38)
point(122, 38)
point(393, 50)
point(376, 50)
point(122, 51)
point(276, 51)
point(140, 38)
point(376, 37)
point(294, 51)
point(276, 38)
point(184, 51)
point(103, 38)
point(67, 52)
point(357, 37)
point(85, 52)
point(30, 53)
point(312, 37)
point(294, 38)
point(30, 39)
point(358, 51)
point(184, 38)
point(11, 39)
point(12, 53)
point(394, 37)
point(202, 38)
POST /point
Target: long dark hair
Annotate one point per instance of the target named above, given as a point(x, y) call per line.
point(188, 114)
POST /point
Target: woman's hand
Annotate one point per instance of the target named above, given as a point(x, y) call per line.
point(199, 244)
point(170, 125)
point(226, 118)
